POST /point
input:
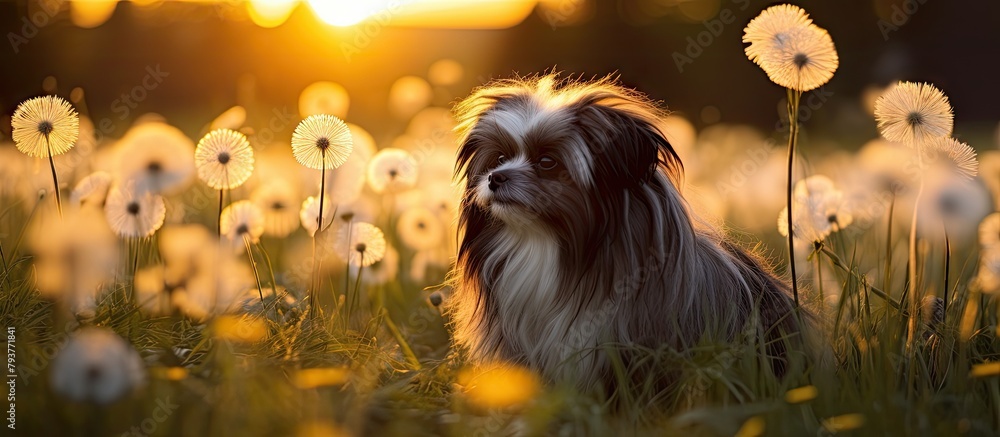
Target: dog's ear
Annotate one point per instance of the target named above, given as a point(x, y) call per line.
point(620, 128)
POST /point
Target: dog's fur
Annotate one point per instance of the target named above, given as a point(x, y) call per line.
point(557, 264)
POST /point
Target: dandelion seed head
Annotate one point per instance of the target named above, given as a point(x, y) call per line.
point(771, 28)
point(363, 244)
point(242, 219)
point(309, 214)
point(958, 157)
point(819, 209)
point(96, 365)
point(392, 170)
point(806, 60)
point(132, 213)
point(156, 157)
point(322, 141)
point(420, 229)
point(379, 272)
point(989, 231)
point(224, 159)
point(73, 258)
point(276, 200)
point(45, 125)
point(91, 190)
point(913, 114)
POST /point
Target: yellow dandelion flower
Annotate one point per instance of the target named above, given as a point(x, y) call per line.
point(320, 429)
point(134, 214)
point(801, 394)
point(240, 329)
point(392, 170)
point(753, 427)
point(175, 373)
point(321, 377)
point(913, 114)
point(45, 126)
point(242, 219)
point(91, 190)
point(804, 62)
point(169, 373)
point(277, 199)
point(420, 229)
point(363, 243)
point(961, 157)
point(322, 142)
point(844, 422)
point(224, 159)
point(499, 386)
point(771, 28)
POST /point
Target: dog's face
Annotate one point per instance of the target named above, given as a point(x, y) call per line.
point(528, 165)
point(539, 156)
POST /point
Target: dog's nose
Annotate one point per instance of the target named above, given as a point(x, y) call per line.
point(496, 179)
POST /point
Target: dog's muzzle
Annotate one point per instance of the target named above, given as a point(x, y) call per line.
point(496, 179)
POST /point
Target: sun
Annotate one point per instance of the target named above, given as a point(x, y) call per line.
point(346, 12)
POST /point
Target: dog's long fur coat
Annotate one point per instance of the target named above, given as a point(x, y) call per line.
point(576, 240)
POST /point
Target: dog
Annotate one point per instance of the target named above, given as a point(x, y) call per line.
point(577, 247)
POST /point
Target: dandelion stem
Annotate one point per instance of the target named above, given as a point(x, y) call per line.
point(55, 177)
point(793, 133)
point(356, 297)
point(912, 288)
point(947, 272)
point(134, 247)
point(887, 276)
point(312, 287)
point(347, 267)
point(322, 191)
point(218, 221)
point(819, 275)
point(253, 265)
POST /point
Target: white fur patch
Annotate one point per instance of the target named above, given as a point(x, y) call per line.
point(547, 332)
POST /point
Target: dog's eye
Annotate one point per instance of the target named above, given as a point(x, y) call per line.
point(547, 162)
point(501, 159)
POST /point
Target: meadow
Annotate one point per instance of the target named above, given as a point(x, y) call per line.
point(240, 282)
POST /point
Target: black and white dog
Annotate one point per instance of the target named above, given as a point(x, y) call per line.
point(576, 238)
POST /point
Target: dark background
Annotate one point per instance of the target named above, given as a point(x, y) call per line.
point(953, 44)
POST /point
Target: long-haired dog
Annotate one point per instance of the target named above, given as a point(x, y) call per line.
point(577, 247)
